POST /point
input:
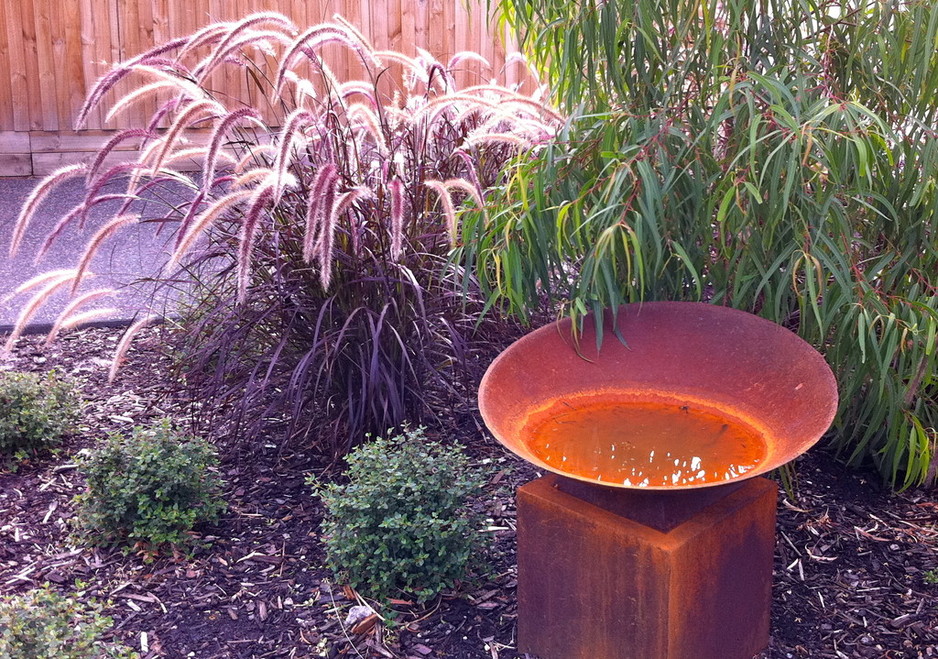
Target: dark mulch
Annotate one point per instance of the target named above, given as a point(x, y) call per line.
point(852, 576)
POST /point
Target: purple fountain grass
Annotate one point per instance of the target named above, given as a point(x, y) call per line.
point(365, 117)
point(235, 30)
point(39, 280)
point(223, 52)
point(186, 119)
point(469, 188)
point(52, 284)
point(396, 188)
point(218, 136)
point(204, 221)
point(313, 239)
point(206, 36)
point(449, 209)
point(258, 203)
point(109, 146)
point(139, 94)
point(149, 65)
point(99, 237)
point(321, 35)
point(295, 123)
point(323, 192)
point(79, 211)
point(39, 193)
point(67, 317)
point(323, 249)
point(124, 344)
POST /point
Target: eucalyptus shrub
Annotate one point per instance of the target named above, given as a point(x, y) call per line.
point(41, 624)
point(775, 156)
point(312, 243)
point(151, 487)
point(402, 523)
point(35, 411)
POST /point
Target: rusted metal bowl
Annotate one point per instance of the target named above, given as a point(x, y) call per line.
point(687, 395)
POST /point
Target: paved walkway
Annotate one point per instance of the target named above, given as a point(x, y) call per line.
point(129, 254)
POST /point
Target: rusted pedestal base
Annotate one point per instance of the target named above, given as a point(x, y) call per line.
point(624, 574)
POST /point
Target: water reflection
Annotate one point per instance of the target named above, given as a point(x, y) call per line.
point(643, 444)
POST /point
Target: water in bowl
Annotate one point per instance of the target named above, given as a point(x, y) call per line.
point(643, 444)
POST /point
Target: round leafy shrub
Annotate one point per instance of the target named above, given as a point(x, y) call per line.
point(152, 486)
point(42, 624)
point(402, 522)
point(35, 411)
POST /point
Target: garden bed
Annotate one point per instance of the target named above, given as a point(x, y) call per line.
point(854, 572)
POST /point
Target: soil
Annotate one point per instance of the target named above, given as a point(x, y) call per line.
point(855, 564)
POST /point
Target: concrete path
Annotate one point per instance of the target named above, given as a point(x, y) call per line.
point(129, 254)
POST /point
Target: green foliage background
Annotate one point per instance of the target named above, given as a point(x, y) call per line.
point(777, 156)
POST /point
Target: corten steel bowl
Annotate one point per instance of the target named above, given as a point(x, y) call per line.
point(683, 356)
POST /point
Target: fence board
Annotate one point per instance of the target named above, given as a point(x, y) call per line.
point(6, 92)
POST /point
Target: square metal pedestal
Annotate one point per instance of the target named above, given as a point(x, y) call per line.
point(607, 573)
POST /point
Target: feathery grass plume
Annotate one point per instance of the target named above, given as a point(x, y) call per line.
point(102, 234)
point(510, 96)
point(436, 108)
point(346, 199)
point(210, 34)
point(255, 38)
point(39, 193)
point(197, 154)
point(247, 25)
point(149, 64)
point(32, 306)
point(259, 201)
point(314, 39)
point(63, 319)
point(39, 280)
point(195, 205)
point(183, 121)
point(496, 138)
point(155, 54)
point(316, 210)
point(251, 177)
point(296, 121)
point(304, 89)
point(135, 95)
point(120, 353)
point(469, 188)
point(109, 146)
point(217, 138)
point(327, 235)
point(449, 210)
point(80, 210)
point(341, 20)
point(464, 56)
point(205, 220)
point(410, 64)
point(396, 188)
point(366, 89)
point(365, 117)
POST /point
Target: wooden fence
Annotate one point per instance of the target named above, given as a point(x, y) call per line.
point(52, 52)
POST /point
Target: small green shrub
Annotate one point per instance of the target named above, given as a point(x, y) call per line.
point(152, 486)
point(42, 624)
point(402, 522)
point(35, 411)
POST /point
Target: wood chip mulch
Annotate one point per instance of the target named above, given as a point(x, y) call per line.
point(854, 572)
